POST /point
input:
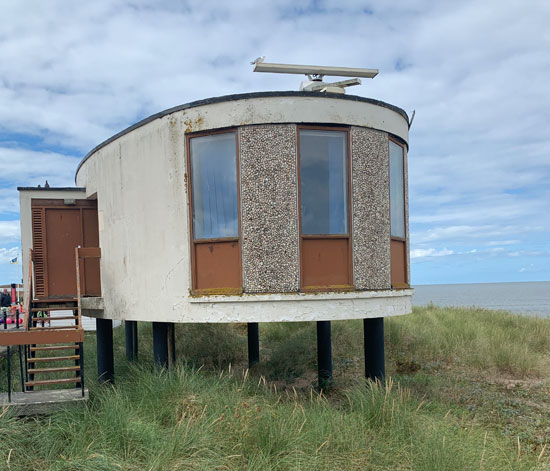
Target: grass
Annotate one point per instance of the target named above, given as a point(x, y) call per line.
point(467, 389)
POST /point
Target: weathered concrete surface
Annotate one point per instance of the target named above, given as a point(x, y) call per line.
point(301, 306)
point(42, 402)
point(92, 303)
point(141, 182)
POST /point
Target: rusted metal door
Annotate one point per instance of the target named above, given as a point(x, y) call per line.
point(57, 229)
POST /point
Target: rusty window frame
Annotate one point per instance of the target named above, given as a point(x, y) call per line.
point(348, 236)
point(393, 238)
point(193, 241)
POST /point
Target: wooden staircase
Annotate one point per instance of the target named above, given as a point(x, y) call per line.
point(53, 354)
point(52, 364)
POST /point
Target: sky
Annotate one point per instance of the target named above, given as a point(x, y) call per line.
point(477, 74)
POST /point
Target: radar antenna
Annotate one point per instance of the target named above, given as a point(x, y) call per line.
point(316, 73)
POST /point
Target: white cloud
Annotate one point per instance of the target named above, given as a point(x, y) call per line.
point(420, 253)
point(464, 233)
point(479, 161)
point(22, 166)
point(528, 268)
point(503, 242)
point(9, 231)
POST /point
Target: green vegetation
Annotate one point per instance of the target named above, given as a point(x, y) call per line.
point(467, 390)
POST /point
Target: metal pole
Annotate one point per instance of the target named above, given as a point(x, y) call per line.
point(253, 344)
point(9, 374)
point(21, 370)
point(26, 352)
point(160, 344)
point(13, 293)
point(105, 362)
point(373, 331)
point(135, 342)
point(172, 342)
point(324, 354)
point(131, 340)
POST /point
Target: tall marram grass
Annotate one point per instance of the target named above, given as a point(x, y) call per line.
point(485, 339)
point(189, 419)
point(207, 414)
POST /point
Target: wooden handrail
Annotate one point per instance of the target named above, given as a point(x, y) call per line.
point(83, 252)
point(89, 252)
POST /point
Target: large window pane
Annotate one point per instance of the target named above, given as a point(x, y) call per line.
point(323, 182)
point(397, 191)
point(214, 183)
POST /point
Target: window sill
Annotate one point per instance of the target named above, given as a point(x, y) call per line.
point(296, 297)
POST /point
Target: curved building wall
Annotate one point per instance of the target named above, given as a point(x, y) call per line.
point(141, 182)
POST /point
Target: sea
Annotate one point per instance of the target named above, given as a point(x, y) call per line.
point(530, 298)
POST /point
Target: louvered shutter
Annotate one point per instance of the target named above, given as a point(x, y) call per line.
point(39, 256)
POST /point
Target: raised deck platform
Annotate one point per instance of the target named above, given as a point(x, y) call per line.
point(42, 402)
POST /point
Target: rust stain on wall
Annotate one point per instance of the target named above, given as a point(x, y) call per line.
point(193, 125)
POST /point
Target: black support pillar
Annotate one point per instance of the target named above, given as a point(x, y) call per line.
point(171, 343)
point(105, 362)
point(373, 330)
point(324, 354)
point(131, 340)
point(163, 343)
point(253, 344)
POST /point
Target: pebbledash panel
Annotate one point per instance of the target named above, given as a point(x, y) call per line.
point(275, 206)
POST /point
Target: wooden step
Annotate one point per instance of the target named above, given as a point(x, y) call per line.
point(35, 371)
point(53, 300)
point(60, 318)
point(54, 308)
point(56, 347)
point(45, 382)
point(49, 327)
point(59, 358)
point(45, 336)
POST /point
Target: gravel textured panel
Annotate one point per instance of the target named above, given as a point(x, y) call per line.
point(269, 209)
point(371, 209)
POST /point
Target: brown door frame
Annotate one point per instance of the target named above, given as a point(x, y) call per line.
point(348, 236)
point(43, 204)
point(392, 237)
point(194, 242)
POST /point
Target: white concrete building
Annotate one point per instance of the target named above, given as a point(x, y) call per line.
point(261, 207)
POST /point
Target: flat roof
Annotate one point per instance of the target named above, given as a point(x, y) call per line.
point(50, 188)
point(241, 96)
